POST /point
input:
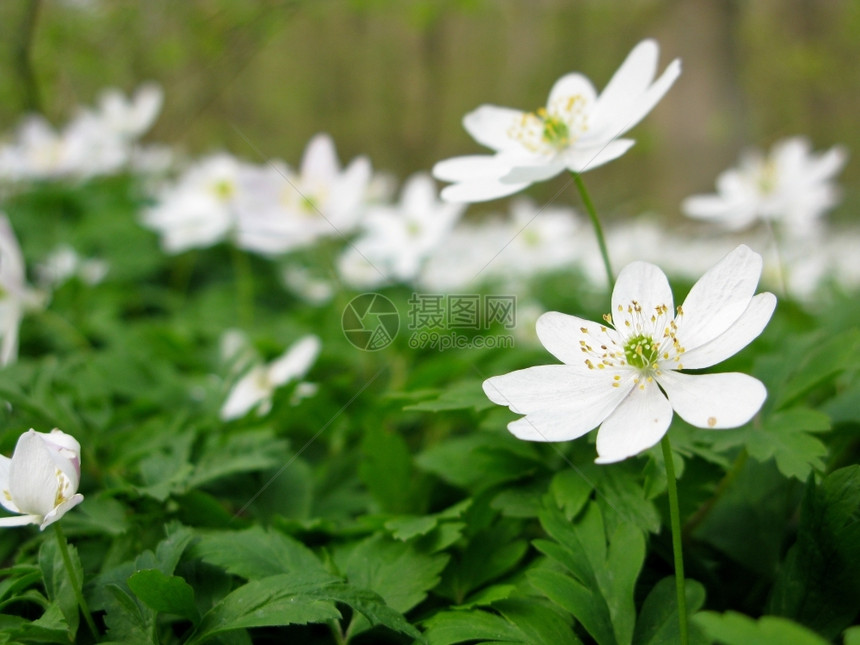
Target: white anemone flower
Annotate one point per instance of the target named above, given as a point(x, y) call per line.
point(257, 387)
point(283, 210)
point(398, 238)
point(790, 187)
point(625, 375)
point(577, 130)
point(16, 296)
point(40, 481)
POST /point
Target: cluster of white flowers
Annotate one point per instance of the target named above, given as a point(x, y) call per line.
point(97, 141)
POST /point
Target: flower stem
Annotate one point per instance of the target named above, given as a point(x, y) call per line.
point(76, 587)
point(598, 229)
point(244, 285)
point(675, 519)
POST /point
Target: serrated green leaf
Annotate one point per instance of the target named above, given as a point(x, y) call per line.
point(247, 452)
point(819, 582)
point(164, 594)
point(58, 586)
point(732, 628)
point(406, 528)
point(395, 570)
point(599, 591)
point(658, 619)
point(387, 469)
point(463, 395)
point(570, 491)
point(257, 553)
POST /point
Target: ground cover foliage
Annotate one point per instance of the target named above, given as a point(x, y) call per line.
point(392, 505)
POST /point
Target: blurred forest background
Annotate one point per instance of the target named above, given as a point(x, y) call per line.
point(392, 79)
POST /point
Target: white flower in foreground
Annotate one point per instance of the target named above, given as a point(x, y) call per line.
point(625, 375)
point(791, 186)
point(41, 479)
point(397, 239)
point(577, 130)
point(283, 210)
point(257, 387)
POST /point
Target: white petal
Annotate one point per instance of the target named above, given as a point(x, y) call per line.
point(638, 423)
point(580, 159)
point(296, 360)
point(652, 96)
point(744, 330)
point(481, 190)
point(560, 403)
point(20, 520)
point(489, 125)
point(645, 284)
point(719, 298)
point(560, 334)
point(5, 493)
point(251, 390)
point(540, 171)
point(57, 512)
point(571, 85)
point(33, 481)
point(723, 400)
point(319, 161)
point(631, 79)
point(469, 167)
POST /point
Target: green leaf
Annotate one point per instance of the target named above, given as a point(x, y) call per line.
point(247, 452)
point(164, 594)
point(852, 636)
point(257, 553)
point(733, 628)
point(820, 362)
point(784, 436)
point(462, 395)
point(570, 491)
point(480, 461)
point(296, 598)
point(397, 571)
point(286, 599)
point(525, 622)
point(658, 619)
point(602, 572)
point(405, 528)
point(386, 469)
point(819, 582)
point(58, 586)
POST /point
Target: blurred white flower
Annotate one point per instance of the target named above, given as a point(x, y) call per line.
point(791, 187)
point(397, 239)
point(64, 263)
point(257, 387)
point(576, 131)
point(199, 209)
point(308, 286)
point(95, 142)
point(40, 481)
point(16, 296)
point(627, 379)
point(282, 210)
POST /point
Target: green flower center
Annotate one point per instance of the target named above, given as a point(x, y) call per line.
point(555, 131)
point(641, 352)
point(224, 189)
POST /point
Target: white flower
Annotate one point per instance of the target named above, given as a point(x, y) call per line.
point(199, 210)
point(256, 388)
point(64, 263)
point(41, 479)
point(790, 186)
point(283, 211)
point(16, 296)
point(577, 130)
point(628, 379)
point(397, 239)
point(129, 118)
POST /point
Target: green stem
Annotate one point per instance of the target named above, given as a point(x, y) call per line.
point(675, 519)
point(76, 586)
point(244, 286)
point(598, 229)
